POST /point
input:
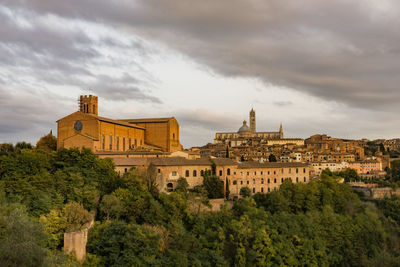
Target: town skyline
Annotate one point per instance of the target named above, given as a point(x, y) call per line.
point(313, 73)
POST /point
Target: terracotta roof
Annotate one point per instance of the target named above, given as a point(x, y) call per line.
point(130, 161)
point(224, 161)
point(130, 152)
point(179, 161)
point(147, 120)
point(249, 165)
point(119, 122)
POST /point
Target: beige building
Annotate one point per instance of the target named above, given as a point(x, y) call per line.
point(318, 167)
point(85, 128)
point(259, 177)
point(265, 177)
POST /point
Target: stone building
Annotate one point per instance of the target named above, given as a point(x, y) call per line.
point(84, 128)
point(259, 177)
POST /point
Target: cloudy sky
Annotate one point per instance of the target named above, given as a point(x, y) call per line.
point(316, 66)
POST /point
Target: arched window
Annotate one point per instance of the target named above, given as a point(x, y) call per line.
point(202, 172)
point(187, 173)
point(305, 179)
point(262, 180)
point(297, 179)
point(254, 190)
point(194, 173)
point(281, 180)
point(274, 180)
point(170, 187)
point(228, 171)
point(234, 182)
point(269, 181)
point(269, 190)
point(262, 189)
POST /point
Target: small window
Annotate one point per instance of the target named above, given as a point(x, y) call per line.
point(248, 182)
point(123, 144)
point(241, 182)
point(194, 173)
point(297, 179)
point(254, 181)
point(255, 173)
point(274, 180)
point(248, 173)
point(187, 173)
point(173, 136)
point(103, 142)
point(281, 180)
point(274, 172)
point(228, 172)
point(305, 179)
point(254, 190)
point(126, 169)
point(135, 142)
point(174, 173)
point(234, 182)
point(269, 190)
point(117, 142)
point(297, 170)
point(159, 170)
point(220, 172)
point(202, 172)
point(269, 181)
point(262, 189)
point(304, 170)
point(111, 142)
point(261, 173)
point(262, 180)
point(130, 143)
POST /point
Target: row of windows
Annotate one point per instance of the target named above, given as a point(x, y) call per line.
point(228, 172)
point(194, 173)
point(117, 143)
point(269, 180)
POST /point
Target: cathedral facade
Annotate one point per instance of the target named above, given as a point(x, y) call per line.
point(84, 128)
point(247, 135)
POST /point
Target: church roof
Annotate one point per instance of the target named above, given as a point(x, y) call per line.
point(244, 128)
point(147, 120)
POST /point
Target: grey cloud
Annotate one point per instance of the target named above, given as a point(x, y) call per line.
point(345, 51)
point(283, 103)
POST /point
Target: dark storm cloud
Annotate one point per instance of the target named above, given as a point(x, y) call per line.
point(61, 55)
point(345, 51)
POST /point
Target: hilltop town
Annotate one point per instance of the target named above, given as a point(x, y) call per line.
point(261, 161)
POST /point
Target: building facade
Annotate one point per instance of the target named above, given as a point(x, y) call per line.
point(85, 128)
point(258, 177)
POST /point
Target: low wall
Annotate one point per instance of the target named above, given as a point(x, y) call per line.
point(388, 192)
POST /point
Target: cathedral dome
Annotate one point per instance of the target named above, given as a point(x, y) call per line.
point(244, 128)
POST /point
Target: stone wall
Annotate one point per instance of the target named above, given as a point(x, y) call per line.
point(388, 192)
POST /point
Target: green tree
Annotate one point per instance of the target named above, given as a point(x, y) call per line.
point(245, 191)
point(182, 185)
point(47, 142)
point(21, 238)
point(272, 158)
point(214, 186)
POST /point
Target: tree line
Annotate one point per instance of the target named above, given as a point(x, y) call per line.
point(44, 193)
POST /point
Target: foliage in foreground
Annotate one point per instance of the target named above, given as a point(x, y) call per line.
point(322, 223)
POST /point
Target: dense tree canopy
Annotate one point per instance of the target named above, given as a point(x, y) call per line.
point(45, 193)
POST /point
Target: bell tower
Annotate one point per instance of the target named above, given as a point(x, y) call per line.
point(253, 120)
point(88, 104)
